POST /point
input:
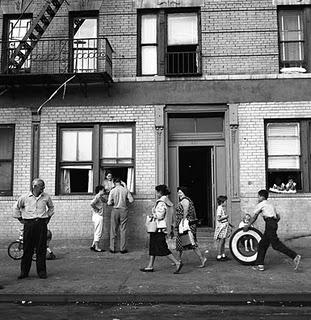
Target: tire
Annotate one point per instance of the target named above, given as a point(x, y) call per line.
point(237, 248)
point(15, 250)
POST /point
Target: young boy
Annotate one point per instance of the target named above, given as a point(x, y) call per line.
point(271, 218)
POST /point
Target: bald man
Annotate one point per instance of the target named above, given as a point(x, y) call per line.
point(34, 210)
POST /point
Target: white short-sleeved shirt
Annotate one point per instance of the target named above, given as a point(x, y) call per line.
point(266, 209)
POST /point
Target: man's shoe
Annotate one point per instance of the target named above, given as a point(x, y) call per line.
point(123, 251)
point(42, 275)
point(22, 276)
point(146, 269)
point(259, 268)
point(112, 251)
point(297, 262)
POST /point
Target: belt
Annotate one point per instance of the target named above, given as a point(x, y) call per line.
point(35, 219)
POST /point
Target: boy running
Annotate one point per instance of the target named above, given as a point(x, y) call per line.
point(271, 218)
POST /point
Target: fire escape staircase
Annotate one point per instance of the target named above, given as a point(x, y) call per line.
point(34, 34)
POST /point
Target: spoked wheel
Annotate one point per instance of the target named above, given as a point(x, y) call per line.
point(244, 245)
point(15, 250)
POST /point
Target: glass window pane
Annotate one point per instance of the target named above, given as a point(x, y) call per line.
point(149, 60)
point(125, 145)
point(76, 180)
point(209, 124)
point(290, 162)
point(85, 28)
point(283, 146)
point(5, 176)
point(292, 51)
point(6, 143)
point(149, 29)
point(69, 146)
point(85, 146)
point(181, 125)
point(182, 28)
point(109, 147)
point(21, 27)
point(283, 129)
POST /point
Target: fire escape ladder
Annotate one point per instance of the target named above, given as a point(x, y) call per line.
point(34, 34)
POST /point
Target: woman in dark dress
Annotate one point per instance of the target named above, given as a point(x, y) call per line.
point(185, 210)
point(157, 244)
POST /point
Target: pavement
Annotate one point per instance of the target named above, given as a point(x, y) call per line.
point(79, 274)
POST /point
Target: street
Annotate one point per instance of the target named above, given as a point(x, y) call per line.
point(162, 311)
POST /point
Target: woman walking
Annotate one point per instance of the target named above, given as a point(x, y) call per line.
point(186, 221)
point(97, 205)
point(157, 244)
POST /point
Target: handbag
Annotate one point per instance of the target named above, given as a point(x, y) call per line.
point(151, 224)
point(185, 239)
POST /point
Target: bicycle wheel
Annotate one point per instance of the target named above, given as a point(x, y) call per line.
point(239, 245)
point(15, 250)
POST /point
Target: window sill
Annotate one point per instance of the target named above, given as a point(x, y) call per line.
point(290, 195)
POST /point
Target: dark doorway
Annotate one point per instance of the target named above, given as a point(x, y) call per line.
point(196, 174)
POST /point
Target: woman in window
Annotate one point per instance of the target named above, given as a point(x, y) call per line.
point(186, 220)
point(157, 244)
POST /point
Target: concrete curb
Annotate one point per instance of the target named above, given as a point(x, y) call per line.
point(301, 299)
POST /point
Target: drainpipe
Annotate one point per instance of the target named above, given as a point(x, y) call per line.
point(35, 144)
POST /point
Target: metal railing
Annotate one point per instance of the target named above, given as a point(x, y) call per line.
point(183, 63)
point(59, 56)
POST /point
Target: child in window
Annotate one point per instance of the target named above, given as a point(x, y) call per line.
point(222, 230)
point(248, 243)
point(278, 186)
point(290, 185)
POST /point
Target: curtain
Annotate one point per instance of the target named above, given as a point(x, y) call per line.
point(130, 179)
point(65, 184)
point(90, 184)
point(182, 29)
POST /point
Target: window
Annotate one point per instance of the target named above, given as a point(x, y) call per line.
point(287, 150)
point(82, 166)
point(292, 38)
point(83, 30)
point(6, 159)
point(169, 43)
point(14, 30)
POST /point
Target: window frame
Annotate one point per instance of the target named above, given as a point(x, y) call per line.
point(10, 191)
point(91, 14)
point(306, 23)
point(96, 152)
point(305, 149)
point(5, 35)
point(162, 39)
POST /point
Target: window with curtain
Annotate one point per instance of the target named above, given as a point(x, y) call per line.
point(292, 38)
point(169, 42)
point(117, 154)
point(6, 159)
point(81, 166)
point(148, 45)
point(284, 153)
point(182, 44)
point(76, 165)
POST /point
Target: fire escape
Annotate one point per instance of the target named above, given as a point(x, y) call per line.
point(35, 59)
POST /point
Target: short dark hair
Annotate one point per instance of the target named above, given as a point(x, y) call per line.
point(221, 199)
point(263, 193)
point(184, 189)
point(98, 188)
point(117, 180)
point(163, 189)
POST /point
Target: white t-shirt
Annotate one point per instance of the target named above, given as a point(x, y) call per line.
point(266, 209)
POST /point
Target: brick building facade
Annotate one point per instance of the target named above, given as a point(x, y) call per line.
point(199, 112)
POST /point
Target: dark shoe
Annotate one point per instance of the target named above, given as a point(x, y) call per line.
point(51, 256)
point(92, 248)
point(123, 251)
point(112, 251)
point(218, 259)
point(42, 275)
point(146, 270)
point(178, 268)
point(22, 276)
point(225, 258)
point(99, 250)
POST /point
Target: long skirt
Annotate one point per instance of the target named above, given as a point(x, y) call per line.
point(158, 245)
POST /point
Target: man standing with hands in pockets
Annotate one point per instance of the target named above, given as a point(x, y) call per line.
point(34, 210)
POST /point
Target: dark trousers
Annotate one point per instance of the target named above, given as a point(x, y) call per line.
point(35, 232)
point(270, 237)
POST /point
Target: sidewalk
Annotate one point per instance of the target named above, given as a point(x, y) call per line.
point(80, 272)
